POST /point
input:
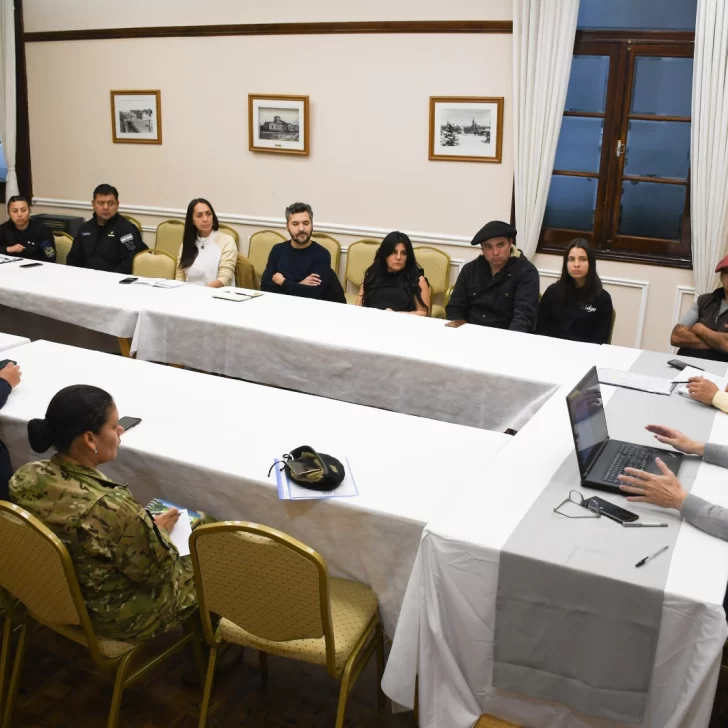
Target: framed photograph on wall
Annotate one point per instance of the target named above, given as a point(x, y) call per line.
point(136, 117)
point(278, 124)
point(464, 129)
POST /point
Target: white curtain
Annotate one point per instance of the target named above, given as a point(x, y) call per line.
point(709, 143)
point(8, 133)
point(543, 45)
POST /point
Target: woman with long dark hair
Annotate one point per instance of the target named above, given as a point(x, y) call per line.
point(394, 281)
point(577, 307)
point(207, 256)
point(134, 582)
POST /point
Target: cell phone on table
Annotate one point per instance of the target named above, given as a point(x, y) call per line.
point(677, 364)
point(130, 279)
point(620, 515)
point(455, 324)
point(30, 265)
point(128, 422)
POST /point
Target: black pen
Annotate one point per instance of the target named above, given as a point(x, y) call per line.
point(642, 562)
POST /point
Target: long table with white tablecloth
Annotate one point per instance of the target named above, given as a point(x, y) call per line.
point(208, 442)
point(446, 629)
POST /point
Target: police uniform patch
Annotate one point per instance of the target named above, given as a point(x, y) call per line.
point(128, 241)
point(48, 250)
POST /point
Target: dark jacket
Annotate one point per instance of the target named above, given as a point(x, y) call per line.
point(295, 264)
point(708, 308)
point(507, 301)
point(568, 316)
point(37, 240)
point(109, 247)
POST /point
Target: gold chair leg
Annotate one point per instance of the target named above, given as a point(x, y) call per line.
point(15, 677)
point(379, 637)
point(5, 659)
point(119, 685)
point(263, 665)
point(125, 346)
point(207, 692)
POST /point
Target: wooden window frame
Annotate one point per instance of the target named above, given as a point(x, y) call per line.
point(622, 47)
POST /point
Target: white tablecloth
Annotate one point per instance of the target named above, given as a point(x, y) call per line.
point(87, 298)
point(471, 375)
point(208, 442)
point(8, 341)
point(445, 631)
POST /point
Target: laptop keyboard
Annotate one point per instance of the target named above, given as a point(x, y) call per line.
point(627, 457)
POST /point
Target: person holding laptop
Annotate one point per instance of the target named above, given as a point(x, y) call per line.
point(663, 489)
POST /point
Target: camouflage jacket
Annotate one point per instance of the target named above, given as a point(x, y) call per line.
point(134, 582)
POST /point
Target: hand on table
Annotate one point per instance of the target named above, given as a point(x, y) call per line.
point(670, 436)
point(168, 519)
point(662, 490)
point(11, 374)
point(312, 280)
point(701, 389)
point(17, 248)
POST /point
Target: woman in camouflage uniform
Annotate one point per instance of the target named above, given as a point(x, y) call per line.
point(134, 582)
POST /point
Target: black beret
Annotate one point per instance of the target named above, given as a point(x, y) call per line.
point(493, 229)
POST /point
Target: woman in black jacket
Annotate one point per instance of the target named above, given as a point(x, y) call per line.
point(394, 281)
point(25, 238)
point(577, 307)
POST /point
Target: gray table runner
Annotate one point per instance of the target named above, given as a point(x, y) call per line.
point(575, 620)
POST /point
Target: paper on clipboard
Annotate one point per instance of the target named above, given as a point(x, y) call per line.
point(288, 490)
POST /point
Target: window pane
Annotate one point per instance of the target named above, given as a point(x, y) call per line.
point(580, 145)
point(652, 210)
point(571, 203)
point(658, 149)
point(638, 14)
point(662, 86)
point(588, 84)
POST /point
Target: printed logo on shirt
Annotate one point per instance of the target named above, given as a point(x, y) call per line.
point(85, 233)
point(589, 308)
point(128, 241)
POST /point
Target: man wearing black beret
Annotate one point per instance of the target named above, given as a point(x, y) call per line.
point(499, 288)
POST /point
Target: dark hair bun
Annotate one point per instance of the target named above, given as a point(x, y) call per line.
point(39, 435)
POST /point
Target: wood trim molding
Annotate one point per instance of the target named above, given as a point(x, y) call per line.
point(360, 27)
point(644, 287)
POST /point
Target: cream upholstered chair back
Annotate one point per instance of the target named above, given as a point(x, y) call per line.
point(245, 274)
point(134, 221)
point(271, 585)
point(260, 246)
point(332, 245)
point(436, 265)
point(154, 264)
point(232, 232)
point(358, 258)
point(169, 237)
point(63, 242)
point(35, 567)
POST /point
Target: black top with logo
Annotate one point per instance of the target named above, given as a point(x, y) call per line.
point(110, 247)
point(36, 239)
point(570, 317)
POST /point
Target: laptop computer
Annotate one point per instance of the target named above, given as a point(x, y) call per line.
point(602, 459)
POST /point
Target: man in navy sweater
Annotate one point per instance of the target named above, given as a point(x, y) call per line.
point(300, 266)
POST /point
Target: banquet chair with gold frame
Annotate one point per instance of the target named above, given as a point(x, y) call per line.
point(231, 231)
point(37, 569)
point(134, 221)
point(259, 246)
point(333, 246)
point(169, 237)
point(436, 265)
point(153, 263)
point(274, 594)
point(63, 242)
point(358, 258)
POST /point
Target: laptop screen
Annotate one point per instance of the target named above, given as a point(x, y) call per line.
point(588, 421)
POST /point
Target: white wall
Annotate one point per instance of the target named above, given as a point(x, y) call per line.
point(368, 171)
point(45, 15)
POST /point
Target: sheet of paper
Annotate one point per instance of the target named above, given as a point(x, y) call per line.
point(158, 282)
point(180, 534)
point(288, 490)
point(630, 380)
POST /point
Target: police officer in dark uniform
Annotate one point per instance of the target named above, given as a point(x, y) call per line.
point(107, 241)
point(500, 287)
point(22, 237)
